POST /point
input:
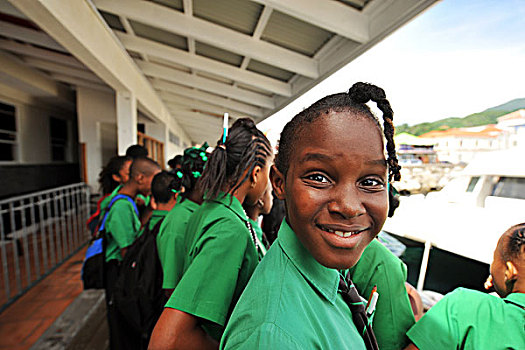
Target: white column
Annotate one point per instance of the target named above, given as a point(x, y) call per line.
point(126, 121)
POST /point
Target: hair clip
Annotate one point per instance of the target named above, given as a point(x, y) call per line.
point(175, 191)
point(179, 174)
point(203, 156)
point(196, 174)
point(225, 128)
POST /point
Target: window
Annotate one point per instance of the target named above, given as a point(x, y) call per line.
point(510, 187)
point(58, 128)
point(7, 132)
point(473, 181)
point(174, 139)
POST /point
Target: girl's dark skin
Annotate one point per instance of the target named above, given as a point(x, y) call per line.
point(176, 329)
point(336, 183)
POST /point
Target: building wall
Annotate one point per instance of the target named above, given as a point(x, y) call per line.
point(33, 168)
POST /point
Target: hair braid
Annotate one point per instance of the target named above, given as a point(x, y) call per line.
point(364, 92)
point(245, 147)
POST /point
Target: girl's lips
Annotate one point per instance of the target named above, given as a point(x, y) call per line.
point(342, 237)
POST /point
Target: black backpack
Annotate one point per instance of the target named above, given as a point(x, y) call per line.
point(138, 293)
point(92, 273)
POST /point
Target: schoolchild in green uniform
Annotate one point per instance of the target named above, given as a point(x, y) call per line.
point(468, 319)
point(165, 189)
point(262, 207)
point(170, 240)
point(332, 173)
point(122, 227)
point(111, 178)
point(221, 252)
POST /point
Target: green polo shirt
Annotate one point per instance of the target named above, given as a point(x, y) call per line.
point(259, 232)
point(468, 319)
point(156, 216)
point(291, 302)
point(221, 259)
point(393, 316)
point(122, 227)
point(105, 202)
point(170, 242)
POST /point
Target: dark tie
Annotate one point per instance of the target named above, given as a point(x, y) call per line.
point(355, 303)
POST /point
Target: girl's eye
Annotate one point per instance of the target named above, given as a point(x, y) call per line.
point(317, 178)
point(372, 183)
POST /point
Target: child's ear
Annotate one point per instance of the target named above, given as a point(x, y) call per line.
point(116, 178)
point(511, 272)
point(254, 176)
point(278, 182)
point(153, 204)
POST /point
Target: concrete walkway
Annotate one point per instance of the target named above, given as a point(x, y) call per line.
point(23, 322)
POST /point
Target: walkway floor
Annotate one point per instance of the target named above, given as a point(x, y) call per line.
point(23, 322)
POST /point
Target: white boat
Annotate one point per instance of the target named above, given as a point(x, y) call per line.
point(466, 217)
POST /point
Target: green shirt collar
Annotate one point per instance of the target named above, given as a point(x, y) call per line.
point(159, 213)
point(325, 280)
point(517, 298)
point(232, 203)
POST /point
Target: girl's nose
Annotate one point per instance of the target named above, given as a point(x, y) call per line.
point(347, 203)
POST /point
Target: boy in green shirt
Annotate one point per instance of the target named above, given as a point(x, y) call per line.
point(122, 226)
point(468, 319)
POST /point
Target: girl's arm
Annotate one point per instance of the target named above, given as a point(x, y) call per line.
point(178, 330)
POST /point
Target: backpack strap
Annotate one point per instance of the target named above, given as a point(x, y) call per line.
point(113, 200)
point(155, 230)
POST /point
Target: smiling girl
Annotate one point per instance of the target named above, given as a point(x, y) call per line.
point(332, 172)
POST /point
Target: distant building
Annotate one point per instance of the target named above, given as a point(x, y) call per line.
point(514, 124)
point(459, 145)
point(412, 149)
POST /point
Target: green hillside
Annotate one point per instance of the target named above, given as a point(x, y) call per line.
point(488, 116)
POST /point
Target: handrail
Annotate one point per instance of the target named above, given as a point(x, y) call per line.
point(38, 231)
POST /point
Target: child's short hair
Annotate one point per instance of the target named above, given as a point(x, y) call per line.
point(105, 178)
point(163, 185)
point(354, 100)
point(144, 166)
point(245, 147)
point(515, 243)
point(136, 151)
point(177, 160)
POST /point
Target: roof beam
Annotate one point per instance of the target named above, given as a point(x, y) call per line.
point(80, 82)
point(204, 64)
point(185, 103)
point(173, 75)
point(97, 48)
point(58, 68)
point(33, 51)
point(336, 17)
point(29, 35)
point(184, 92)
point(14, 71)
point(213, 34)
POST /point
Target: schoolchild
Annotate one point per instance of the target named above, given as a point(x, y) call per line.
point(221, 253)
point(468, 319)
point(165, 189)
point(170, 240)
point(122, 227)
point(332, 173)
point(111, 178)
point(262, 207)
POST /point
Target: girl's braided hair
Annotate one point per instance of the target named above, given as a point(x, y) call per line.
point(105, 178)
point(245, 147)
point(192, 166)
point(355, 100)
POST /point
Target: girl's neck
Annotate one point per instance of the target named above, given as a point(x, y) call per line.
point(129, 190)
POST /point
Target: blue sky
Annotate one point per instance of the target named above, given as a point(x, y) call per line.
point(456, 58)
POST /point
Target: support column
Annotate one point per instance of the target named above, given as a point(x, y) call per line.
point(126, 120)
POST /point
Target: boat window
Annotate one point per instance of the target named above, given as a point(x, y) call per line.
point(510, 187)
point(473, 181)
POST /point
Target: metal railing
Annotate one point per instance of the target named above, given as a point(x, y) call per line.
point(39, 231)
